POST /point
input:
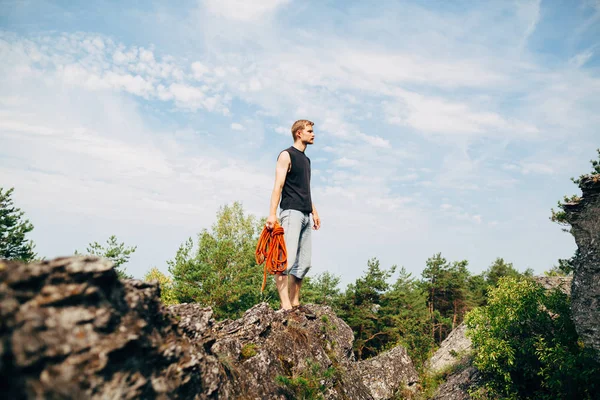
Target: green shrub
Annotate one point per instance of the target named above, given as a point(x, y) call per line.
point(248, 351)
point(526, 346)
point(310, 384)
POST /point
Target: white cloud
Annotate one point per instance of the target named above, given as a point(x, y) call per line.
point(510, 167)
point(146, 56)
point(237, 127)
point(346, 162)
point(187, 96)
point(459, 214)
point(406, 178)
point(437, 115)
point(430, 114)
point(124, 58)
point(9, 126)
point(132, 84)
point(81, 61)
point(375, 141)
point(254, 84)
point(536, 168)
point(529, 11)
point(242, 10)
point(199, 70)
point(282, 130)
point(581, 58)
point(398, 67)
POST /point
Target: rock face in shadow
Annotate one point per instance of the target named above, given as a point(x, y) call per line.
point(584, 218)
point(69, 328)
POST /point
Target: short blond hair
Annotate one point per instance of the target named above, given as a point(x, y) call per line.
point(300, 124)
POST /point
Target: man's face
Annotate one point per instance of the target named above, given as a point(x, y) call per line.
point(307, 135)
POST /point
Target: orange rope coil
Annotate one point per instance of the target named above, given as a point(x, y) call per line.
point(271, 250)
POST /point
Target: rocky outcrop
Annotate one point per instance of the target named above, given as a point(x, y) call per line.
point(265, 344)
point(451, 351)
point(457, 386)
point(584, 217)
point(69, 328)
point(453, 360)
point(563, 283)
point(388, 373)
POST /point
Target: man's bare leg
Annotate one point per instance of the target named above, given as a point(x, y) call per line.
point(282, 287)
point(295, 285)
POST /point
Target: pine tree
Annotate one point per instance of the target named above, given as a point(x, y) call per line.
point(321, 289)
point(13, 230)
point(404, 310)
point(447, 285)
point(116, 252)
point(433, 281)
point(360, 306)
point(457, 290)
point(499, 269)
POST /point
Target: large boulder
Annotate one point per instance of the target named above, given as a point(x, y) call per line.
point(453, 360)
point(562, 283)
point(70, 329)
point(265, 344)
point(464, 379)
point(584, 217)
point(389, 374)
point(451, 351)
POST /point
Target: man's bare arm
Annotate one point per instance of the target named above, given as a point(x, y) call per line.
point(283, 165)
point(316, 218)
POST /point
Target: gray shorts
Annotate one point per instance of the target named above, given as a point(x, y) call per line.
point(297, 227)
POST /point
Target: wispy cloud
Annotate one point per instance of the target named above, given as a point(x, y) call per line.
point(581, 58)
point(241, 10)
point(529, 10)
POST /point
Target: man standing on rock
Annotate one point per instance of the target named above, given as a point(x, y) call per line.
point(292, 186)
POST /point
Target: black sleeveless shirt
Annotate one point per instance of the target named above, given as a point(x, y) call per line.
point(296, 189)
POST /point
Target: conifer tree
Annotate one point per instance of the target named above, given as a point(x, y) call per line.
point(116, 252)
point(321, 289)
point(360, 306)
point(404, 310)
point(13, 230)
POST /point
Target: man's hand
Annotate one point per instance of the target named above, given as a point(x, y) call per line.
point(316, 221)
point(271, 221)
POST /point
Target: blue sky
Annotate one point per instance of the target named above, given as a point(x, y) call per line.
point(440, 127)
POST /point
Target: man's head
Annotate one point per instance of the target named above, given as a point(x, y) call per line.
point(303, 130)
